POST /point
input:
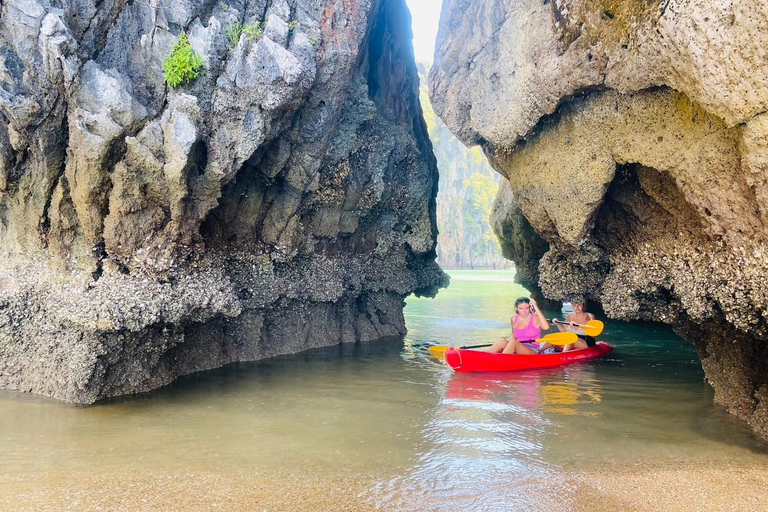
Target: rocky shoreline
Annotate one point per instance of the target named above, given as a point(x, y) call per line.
point(126, 334)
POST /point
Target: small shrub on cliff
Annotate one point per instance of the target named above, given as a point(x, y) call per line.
point(183, 64)
point(233, 32)
point(253, 31)
point(293, 24)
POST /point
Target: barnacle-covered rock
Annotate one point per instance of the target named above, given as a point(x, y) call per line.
point(282, 200)
point(633, 139)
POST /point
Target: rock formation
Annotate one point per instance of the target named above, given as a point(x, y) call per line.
point(282, 200)
point(633, 136)
point(465, 194)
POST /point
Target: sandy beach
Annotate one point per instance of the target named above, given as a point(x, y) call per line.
point(185, 491)
point(669, 488)
point(673, 488)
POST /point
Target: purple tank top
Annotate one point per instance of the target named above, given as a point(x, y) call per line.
point(528, 333)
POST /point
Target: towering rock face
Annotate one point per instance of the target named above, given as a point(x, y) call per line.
point(633, 136)
point(282, 200)
point(466, 189)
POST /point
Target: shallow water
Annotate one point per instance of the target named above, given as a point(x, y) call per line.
point(388, 410)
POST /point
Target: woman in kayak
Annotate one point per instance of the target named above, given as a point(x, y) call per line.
point(579, 316)
point(527, 325)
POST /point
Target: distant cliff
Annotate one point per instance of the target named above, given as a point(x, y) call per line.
point(283, 199)
point(632, 136)
point(466, 189)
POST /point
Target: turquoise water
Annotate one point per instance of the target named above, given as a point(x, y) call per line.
point(389, 410)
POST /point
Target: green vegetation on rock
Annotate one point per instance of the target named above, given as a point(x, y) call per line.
point(183, 64)
point(253, 31)
point(234, 30)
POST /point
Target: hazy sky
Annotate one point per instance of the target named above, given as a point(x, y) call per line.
point(426, 16)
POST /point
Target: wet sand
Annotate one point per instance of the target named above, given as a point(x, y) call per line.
point(673, 488)
point(668, 488)
point(185, 492)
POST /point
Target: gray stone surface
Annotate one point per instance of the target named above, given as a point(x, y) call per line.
point(632, 138)
point(282, 200)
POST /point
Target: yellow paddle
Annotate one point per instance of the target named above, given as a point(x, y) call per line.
point(591, 328)
point(557, 338)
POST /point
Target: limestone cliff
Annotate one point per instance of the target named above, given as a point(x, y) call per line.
point(465, 194)
point(282, 200)
point(633, 136)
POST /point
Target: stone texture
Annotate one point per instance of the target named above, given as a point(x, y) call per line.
point(632, 137)
point(283, 200)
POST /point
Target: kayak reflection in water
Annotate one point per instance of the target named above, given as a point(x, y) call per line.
point(527, 325)
point(569, 391)
point(579, 316)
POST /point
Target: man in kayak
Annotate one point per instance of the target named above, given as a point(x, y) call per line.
point(579, 316)
point(527, 325)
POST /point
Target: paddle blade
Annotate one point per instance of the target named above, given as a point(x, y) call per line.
point(593, 328)
point(559, 338)
point(438, 350)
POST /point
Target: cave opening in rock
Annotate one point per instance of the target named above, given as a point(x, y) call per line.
point(198, 159)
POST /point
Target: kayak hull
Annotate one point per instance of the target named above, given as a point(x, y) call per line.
point(469, 361)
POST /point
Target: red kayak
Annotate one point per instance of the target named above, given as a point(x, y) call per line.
point(468, 361)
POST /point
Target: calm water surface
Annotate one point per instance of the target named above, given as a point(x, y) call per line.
point(387, 409)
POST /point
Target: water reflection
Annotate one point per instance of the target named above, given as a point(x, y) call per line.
point(494, 440)
point(552, 390)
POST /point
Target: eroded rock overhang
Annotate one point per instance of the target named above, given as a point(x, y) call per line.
point(634, 140)
point(283, 200)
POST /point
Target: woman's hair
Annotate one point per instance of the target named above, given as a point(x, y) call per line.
point(522, 300)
